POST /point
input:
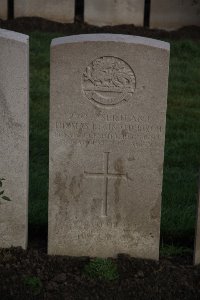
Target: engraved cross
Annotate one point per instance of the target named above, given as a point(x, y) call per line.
point(106, 175)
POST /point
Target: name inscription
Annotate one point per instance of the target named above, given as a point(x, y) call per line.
point(139, 130)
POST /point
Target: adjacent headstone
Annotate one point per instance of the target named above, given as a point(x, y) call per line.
point(56, 10)
point(3, 9)
point(14, 136)
point(107, 132)
point(197, 239)
point(174, 14)
point(114, 12)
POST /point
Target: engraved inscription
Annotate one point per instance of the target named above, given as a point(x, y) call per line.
point(108, 81)
point(105, 175)
point(139, 130)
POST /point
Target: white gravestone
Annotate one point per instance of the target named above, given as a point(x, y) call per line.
point(3, 9)
point(107, 133)
point(174, 14)
point(62, 11)
point(114, 12)
point(14, 136)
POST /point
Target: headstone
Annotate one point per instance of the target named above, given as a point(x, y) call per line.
point(114, 12)
point(14, 136)
point(107, 132)
point(3, 9)
point(197, 239)
point(56, 10)
point(174, 14)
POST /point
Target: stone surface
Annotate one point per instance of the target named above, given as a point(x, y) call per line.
point(107, 132)
point(174, 14)
point(114, 12)
point(14, 102)
point(197, 238)
point(3, 9)
point(56, 10)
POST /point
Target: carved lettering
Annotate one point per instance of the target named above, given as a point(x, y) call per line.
point(139, 130)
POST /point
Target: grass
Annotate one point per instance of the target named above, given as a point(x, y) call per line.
point(174, 250)
point(99, 268)
point(182, 155)
point(34, 284)
point(39, 126)
point(182, 150)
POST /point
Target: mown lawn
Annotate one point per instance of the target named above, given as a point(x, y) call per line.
point(182, 150)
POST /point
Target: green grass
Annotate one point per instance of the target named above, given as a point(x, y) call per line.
point(99, 268)
point(174, 250)
point(39, 126)
point(182, 150)
point(33, 284)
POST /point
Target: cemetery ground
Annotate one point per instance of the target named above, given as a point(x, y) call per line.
point(32, 274)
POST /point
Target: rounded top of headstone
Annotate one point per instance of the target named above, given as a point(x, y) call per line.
point(108, 37)
point(11, 35)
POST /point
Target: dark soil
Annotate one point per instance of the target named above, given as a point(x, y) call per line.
point(26, 25)
point(32, 274)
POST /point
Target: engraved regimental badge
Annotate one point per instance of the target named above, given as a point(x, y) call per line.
point(108, 81)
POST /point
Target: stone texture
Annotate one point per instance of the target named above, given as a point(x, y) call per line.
point(56, 10)
point(14, 102)
point(107, 132)
point(174, 14)
point(3, 9)
point(114, 12)
point(197, 239)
